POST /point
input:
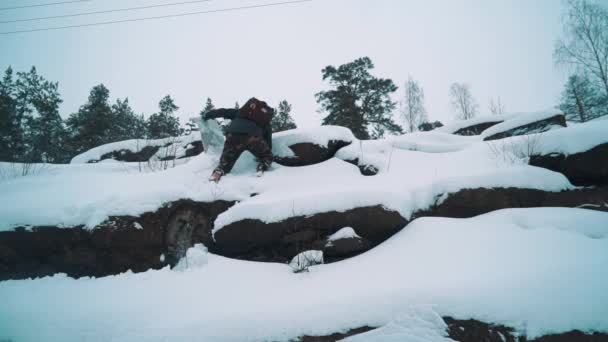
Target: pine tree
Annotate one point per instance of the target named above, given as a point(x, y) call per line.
point(9, 130)
point(208, 105)
point(358, 100)
point(580, 99)
point(32, 129)
point(92, 125)
point(236, 105)
point(283, 121)
point(164, 124)
point(48, 131)
point(128, 124)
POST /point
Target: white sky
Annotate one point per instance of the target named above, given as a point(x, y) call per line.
point(500, 47)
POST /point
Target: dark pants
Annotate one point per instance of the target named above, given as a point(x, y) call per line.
point(237, 143)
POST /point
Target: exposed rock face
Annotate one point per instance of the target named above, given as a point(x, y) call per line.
point(475, 331)
point(476, 129)
point(194, 149)
point(309, 153)
point(472, 202)
point(534, 127)
point(429, 126)
point(280, 241)
point(585, 168)
point(137, 243)
point(117, 245)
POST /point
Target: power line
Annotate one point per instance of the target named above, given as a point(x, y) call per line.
point(105, 11)
point(42, 5)
point(157, 17)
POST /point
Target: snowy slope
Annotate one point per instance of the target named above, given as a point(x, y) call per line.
point(538, 270)
point(408, 180)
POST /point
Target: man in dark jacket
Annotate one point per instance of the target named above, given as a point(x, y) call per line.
point(250, 130)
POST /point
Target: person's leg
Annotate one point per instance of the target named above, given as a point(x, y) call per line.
point(260, 149)
point(233, 148)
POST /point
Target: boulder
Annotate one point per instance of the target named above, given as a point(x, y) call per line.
point(476, 129)
point(125, 155)
point(121, 243)
point(143, 150)
point(280, 241)
point(584, 168)
point(539, 126)
point(309, 153)
point(308, 146)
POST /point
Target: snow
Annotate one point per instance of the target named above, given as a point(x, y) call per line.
point(304, 260)
point(177, 147)
point(211, 134)
point(196, 257)
point(601, 118)
point(579, 138)
point(412, 171)
point(420, 324)
point(537, 270)
point(317, 135)
point(518, 121)
point(344, 233)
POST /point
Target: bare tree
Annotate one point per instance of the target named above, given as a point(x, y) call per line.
point(585, 42)
point(462, 101)
point(412, 105)
point(497, 107)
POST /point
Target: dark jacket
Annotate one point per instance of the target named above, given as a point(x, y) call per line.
point(241, 125)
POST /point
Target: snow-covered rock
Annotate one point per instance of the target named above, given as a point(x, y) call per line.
point(473, 126)
point(580, 153)
point(301, 147)
point(142, 150)
point(528, 123)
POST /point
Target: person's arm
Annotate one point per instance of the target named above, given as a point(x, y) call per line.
point(226, 113)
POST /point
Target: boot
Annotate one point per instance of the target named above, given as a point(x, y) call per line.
point(260, 170)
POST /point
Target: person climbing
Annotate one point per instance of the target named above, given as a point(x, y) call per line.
point(250, 130)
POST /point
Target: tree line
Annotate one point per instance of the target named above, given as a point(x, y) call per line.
point(33, 131)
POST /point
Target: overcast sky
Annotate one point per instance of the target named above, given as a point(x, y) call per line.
point(500, 47)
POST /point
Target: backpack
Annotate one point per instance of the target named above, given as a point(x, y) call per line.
point(257, 111)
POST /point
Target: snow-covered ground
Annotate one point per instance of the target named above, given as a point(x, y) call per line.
point(408, 180)
point(539, 270)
